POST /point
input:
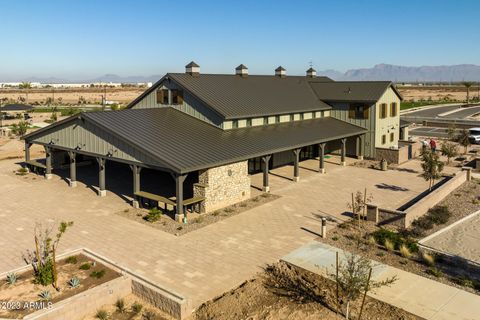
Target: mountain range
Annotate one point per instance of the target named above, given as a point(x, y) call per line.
point(453, 73)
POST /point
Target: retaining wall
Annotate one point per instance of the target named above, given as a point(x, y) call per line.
point(404, 219)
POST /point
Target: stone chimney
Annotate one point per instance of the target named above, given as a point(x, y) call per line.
point(192, 69)
point(241, 71)
point(280, 72)
point(311, 73)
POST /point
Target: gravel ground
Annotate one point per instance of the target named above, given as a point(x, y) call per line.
point(283, 291)
point(196, 221)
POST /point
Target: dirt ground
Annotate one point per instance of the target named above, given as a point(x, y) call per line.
point(437, 92)
point(72, 95)
point(283, 291)
point(13, 148)
point(25, 290)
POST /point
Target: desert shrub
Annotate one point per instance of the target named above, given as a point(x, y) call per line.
point(199, 219)
point(12, 278)
point(71, 260)
point(334, 238)
point(229, 210)
point(149, 315)
point(120, 305)
point(101, 314)
point(85, 266)
point(137, 307)
point(428, 259)
point(464, 281)
point(74, 282)
point(435, 272)
point(405, 252)
point(389, 245)
point(69, 111)
point(395, 238)
point(439, 214)
point(423, 223)
point(97, 274)
point(45, 295)
point(153, 215)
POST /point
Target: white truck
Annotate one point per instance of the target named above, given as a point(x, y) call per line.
point(474, 135)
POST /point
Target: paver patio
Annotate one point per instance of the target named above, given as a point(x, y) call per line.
point(202, 264)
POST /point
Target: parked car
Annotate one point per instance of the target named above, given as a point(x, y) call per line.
point(474, 135)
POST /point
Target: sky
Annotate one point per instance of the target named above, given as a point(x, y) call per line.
point(81, 39)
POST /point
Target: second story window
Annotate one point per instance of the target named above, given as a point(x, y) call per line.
point(393, 109)
point(383, 111)
point(358, 111)
point(177, 97)
point(162, 96)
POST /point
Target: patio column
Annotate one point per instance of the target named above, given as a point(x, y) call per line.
point(360, 144)
point(27, 151)
point(136, 184)
point(343, 152)
point(296, 169)
point(265, 160)
point(101, 177)
point(179, 179)
point(48, 163)
point(73, 168)
point(321, 156)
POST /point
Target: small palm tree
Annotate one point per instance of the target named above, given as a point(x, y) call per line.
point(432, 167)
point(25, 86)
point(468, 85)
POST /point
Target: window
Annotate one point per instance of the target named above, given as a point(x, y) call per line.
point(177, 96)
point(162, 96)
point(392, 136)
point(384, 139)
point(393, 109)
point(383, 111)
point(358, 111)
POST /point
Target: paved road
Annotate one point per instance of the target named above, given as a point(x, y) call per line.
point(463, 113)
point(429, 132)
point(432, 112)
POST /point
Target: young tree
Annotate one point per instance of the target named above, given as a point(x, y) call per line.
point(20, 128)
point(353, 278)
point(450, 150)
point(463, 139)
point(359, 203)
point(43, 258)
point(468, 85)
point(451, 132)
point(25, 86)
point(432, 167)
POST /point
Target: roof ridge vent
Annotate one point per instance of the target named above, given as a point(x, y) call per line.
point(281, 72)
point(241, 71)
point(192, 69)
point(311, 73)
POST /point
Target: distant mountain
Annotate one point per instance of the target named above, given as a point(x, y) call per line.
point(455, 73)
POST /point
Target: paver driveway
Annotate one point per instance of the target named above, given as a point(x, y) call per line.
point(202, 264)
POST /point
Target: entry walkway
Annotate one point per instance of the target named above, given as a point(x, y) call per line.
point(423, 297)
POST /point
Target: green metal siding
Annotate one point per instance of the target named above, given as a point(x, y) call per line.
point(91, 139)
point(191, 105)
point(340, 111)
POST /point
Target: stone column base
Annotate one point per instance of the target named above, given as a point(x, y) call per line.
point(102, 193)
point(322, 170)
point(360, 157)
point(135, 204)
point(179, 217)
point(48, 176)
point(296, 179)
point(344, 163)
point(266, 189)
point(72, 184)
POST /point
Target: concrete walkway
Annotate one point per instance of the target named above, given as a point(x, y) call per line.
point(418, 295)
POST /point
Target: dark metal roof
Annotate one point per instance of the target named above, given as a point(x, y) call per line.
point(192, 65)
point(240, 67)
point(16, 107)
point(253, 96)
point(183, 143)
point(280, 68)
point(358, 91)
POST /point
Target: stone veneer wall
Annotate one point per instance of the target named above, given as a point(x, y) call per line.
point(223, 186)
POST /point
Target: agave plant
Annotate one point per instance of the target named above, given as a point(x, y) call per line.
point(45, 295)
point(12, 278)
point(74, 283)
